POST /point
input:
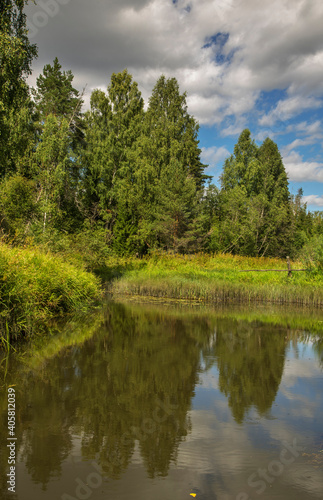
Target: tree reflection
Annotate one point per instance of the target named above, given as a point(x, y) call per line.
point(127, 388)
point(250, 358)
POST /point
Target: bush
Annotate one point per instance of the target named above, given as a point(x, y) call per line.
point(36, 285)
point(312, 254)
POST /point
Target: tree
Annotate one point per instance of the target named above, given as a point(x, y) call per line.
point(175, 208)
point(16, 55)
point(113, 126)
point(55, 95)
point(168, 178)
point(236, 167)
point(172, 132)
point(255, 200)
point(52, 161)
point(277, 224)
point(56, 162)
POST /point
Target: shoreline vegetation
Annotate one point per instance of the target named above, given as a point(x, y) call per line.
point(218, 279)
point(37, 285)
point(90, 200)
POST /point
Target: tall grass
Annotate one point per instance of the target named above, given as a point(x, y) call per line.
point(37, 286)
point(218, 279)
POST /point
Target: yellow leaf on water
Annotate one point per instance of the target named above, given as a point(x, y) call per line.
point(193, 495)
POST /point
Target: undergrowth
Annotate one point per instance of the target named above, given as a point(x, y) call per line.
point(35, 285)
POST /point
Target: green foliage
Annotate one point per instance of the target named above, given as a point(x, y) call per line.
point(219, 279)
point(54, 173)
point(18, 204)
point(36, 285)
point(54, 93)
point(16, 55)
point(172, 132)
point(89, 247)
point(312, 255)
point(112, 127)
point(255, 213)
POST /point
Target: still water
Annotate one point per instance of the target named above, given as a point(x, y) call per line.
point(143, 402)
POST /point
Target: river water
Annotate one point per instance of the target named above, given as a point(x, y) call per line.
point(163, 402)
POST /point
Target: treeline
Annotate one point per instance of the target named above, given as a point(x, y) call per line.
point(130, 177)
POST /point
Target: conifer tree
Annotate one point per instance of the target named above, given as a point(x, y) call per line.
point(54, 94)
point(172, 132)
point(255, 200)
point(113, 127)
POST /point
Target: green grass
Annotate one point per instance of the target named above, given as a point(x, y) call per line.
point(217, 279)
point(35, 285)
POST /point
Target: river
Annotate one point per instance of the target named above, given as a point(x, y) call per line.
point(167, 402)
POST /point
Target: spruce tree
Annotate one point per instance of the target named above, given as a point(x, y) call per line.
point(113, 126)
point(171, 131)
point(255, 200)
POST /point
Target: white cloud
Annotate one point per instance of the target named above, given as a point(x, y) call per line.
point(313, 199)
point(299, 170)
point(270, 44)
point(298, 143)
point(312, 129)
point(224, 53)
point(289, 108)
point(214, 156)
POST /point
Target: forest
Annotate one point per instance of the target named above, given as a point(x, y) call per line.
point(130, 176)
point(120, 188)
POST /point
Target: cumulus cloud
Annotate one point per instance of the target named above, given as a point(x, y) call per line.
point(212, 48)
point(226, 54)
point(299, 170)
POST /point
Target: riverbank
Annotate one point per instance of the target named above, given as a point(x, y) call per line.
point(219, 279)
point(36, 286)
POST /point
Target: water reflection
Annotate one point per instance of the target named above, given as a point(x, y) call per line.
point(128, 390)
point(250, 360)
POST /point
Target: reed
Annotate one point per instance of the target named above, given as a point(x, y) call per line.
point(218, 279)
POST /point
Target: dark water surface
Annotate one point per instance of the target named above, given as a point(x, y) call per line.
point(145, 402)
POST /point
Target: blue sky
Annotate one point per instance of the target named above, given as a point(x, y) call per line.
point(243, 64)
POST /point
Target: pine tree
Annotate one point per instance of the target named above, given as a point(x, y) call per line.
point(55, 95)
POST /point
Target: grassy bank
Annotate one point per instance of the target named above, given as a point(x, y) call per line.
point(35, 285)
point(218, 279)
